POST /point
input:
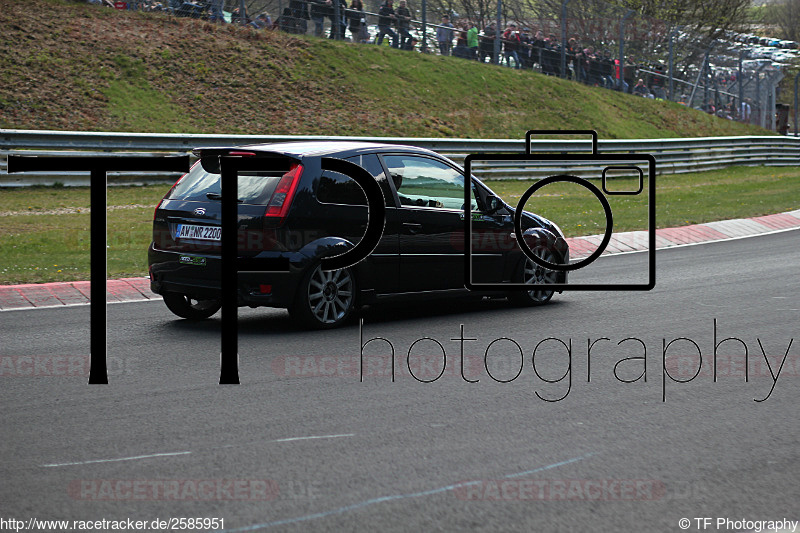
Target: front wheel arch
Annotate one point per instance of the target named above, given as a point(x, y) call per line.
point(527, 271)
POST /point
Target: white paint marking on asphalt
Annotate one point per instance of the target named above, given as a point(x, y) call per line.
point(120, 459)
point(548, 467)
point(153, 298)
point(315, 437)
point(394, 497)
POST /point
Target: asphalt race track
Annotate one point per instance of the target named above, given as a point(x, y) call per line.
point(307, 442)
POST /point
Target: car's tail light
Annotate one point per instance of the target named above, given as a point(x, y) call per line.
point(278, 205)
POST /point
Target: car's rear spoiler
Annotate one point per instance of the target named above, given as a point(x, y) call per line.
point(209, 157)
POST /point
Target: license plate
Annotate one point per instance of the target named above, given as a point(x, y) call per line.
point(198, 233)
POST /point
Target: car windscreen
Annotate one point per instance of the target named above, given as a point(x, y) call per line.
point(254, 187)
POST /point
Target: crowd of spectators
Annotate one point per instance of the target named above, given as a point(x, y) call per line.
point(520, 46)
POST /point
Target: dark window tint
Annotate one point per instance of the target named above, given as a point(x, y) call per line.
point(335, 188)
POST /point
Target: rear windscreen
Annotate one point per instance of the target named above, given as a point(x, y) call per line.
point(254, 187)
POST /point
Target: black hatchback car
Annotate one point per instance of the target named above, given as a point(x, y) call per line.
point(301, 214)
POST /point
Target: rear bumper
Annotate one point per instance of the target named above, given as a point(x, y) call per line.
point(201, 279)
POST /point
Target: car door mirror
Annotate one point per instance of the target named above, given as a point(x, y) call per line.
point(493, 204)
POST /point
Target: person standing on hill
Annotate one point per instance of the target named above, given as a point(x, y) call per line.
point(403, 23)
point(319, 11)
point(358, 20)
point(215, 6)
point(511, 43)
point(444, 36)
point(487, 42)
point(745, 110)
point(472, 41)
point(300, 13)
point(386, 18)
point(640, 89)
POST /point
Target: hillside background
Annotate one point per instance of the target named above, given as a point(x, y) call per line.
point(72, 66)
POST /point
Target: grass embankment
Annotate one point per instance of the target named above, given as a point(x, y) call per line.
point(44, 231)
point(73, 66)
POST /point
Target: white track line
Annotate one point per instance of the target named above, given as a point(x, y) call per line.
point(315, 437)
point(116, 460)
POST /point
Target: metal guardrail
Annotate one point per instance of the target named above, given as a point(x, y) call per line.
point(672, 155)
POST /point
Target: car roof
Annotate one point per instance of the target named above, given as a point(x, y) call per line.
point(317, 148)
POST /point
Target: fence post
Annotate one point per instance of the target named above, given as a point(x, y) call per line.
point(773, 109)
point(758, 96)
point(498, 33)
point(424, 25)
point(769, 107)
point(671, 63)
point(564, 39)
point(335, 28)
point(740, 81)
point(622, 45)
point(706, 74)
point(699, 74)
point(795, 103)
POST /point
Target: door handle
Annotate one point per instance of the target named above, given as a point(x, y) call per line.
point(412, 227)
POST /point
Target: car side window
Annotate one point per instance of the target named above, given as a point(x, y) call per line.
point(335, 188)
point(426, 182)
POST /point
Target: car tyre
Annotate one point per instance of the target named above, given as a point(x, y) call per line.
point(191, 308)
point(530, 272)
point(325, 299)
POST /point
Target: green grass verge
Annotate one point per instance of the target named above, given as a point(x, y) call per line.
point(45, 247)
point(73, 66)
point(681, 199)
point(40, 247)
